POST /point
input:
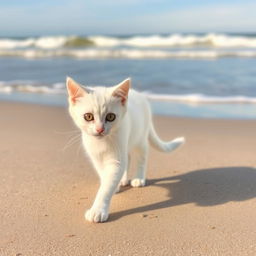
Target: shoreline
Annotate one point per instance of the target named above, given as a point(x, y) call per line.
point(172, 109)
point(199, 200)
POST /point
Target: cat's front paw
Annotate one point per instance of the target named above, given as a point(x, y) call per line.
point(96, 215)
point(138, 183)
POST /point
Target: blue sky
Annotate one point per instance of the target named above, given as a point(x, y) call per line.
point(32, 17)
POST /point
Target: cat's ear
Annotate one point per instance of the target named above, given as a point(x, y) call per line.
point(74, 90)
point(121, 90)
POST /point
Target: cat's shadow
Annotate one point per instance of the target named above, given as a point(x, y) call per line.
point(206, 187)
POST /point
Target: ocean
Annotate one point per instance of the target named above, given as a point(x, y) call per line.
point(188, 75)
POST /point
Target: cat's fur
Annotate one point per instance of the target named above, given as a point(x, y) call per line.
point(109, 144)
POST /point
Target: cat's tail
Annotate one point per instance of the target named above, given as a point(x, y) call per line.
point(164, 146)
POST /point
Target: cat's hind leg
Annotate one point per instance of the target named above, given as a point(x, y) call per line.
point(124, 181)
point(142, 156)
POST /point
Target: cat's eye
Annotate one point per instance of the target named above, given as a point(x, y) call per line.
point(88, 117)
point(110, 117)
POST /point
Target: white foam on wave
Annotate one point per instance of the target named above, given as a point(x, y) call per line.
point(5, 89)
point(173, 40)
point(60, 89)
point(31, 87)
point(200, 98)
point(41, 42)
point(12, 44)
point(50, 42)
point(94, 53)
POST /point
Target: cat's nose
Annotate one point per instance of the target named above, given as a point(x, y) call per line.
point(100, 130)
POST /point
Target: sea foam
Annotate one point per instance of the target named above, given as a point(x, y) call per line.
point(177, 40)
point(60, 89)
point(172, 40)
point(95, 53)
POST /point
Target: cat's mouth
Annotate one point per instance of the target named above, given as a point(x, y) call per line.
point(99, 135)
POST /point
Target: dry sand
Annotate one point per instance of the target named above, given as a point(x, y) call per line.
point(200, 200)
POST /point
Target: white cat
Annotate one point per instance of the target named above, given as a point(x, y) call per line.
point(112, 125)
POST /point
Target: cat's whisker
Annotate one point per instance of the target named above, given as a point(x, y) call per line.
point(78, 150)
point(72, 141)
point(69, 145)
point(77, 154)
point(68, 132)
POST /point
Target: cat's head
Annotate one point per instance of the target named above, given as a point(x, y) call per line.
point(97, 111)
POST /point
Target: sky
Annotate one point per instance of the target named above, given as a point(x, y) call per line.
point(117, 17)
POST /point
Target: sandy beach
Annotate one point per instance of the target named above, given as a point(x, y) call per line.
point(200, 200)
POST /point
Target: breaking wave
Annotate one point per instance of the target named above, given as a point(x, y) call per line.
point(53, 42)
point(172, 40)
point(95, 53)
point(60, 89)
point(31, 87)
point(177, 40)
point(201, 98)
point(208, 46)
